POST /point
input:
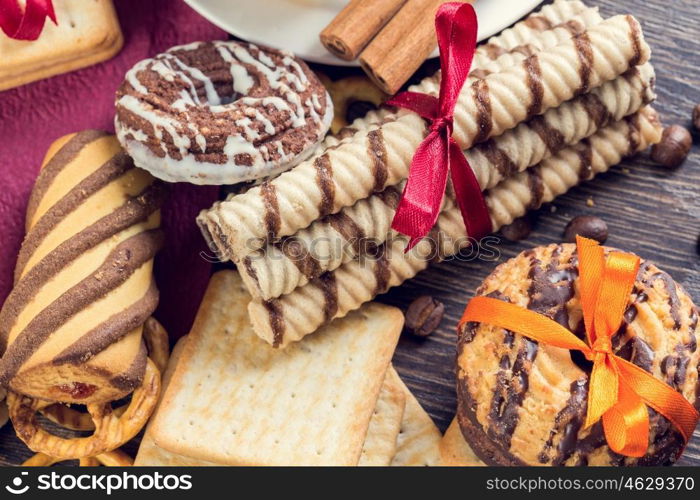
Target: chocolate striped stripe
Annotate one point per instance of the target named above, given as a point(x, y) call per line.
point(114, 168)
point(111, 330)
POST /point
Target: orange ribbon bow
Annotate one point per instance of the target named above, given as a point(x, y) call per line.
point(619, 391)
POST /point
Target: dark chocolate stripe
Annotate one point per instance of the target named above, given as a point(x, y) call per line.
point(585, 61)
point(585, 156)
point(132, 377)
point(567, 424)
point(538, 22)
point(553, 138)
point(114, 168)
point(277, 323)
point(634, 134)
point(498, 158)
point(324, 179)
point(377, 153)
point(479, 73)
point(390, 197)
point(122, 262)
point(301, 256)
point(111, 330)
point(249, 269)
point(382, 271)
point(272, 210)
point(534, 181)
point(328, 285)
point(526, 49)
point(492, 50)
point(58, 162)
point(480, 88)
point(133, 211)
point(349, 230)
point(636, 39)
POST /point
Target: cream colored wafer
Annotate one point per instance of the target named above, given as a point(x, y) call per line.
point(418, 442)
point(454, 450)
point(307, 405)
point(335, 293)
point(384, 426)
point(380, 157)
point(378, 449)
point(338, 238)
point(87, 33)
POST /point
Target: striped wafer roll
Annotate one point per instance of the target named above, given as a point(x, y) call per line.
point(338, 238)
point(71, 328)
point(292, 316)
point(380, 157)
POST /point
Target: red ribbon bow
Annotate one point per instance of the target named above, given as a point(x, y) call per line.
point(419, 208)
point(25, 24)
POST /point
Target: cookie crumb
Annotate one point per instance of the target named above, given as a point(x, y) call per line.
point(590, 202)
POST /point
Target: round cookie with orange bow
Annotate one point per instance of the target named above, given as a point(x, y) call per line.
point(526, 402)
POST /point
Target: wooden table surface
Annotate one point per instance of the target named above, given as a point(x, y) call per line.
point(651, 211)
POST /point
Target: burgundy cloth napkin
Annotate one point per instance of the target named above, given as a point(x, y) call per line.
point(34, 115)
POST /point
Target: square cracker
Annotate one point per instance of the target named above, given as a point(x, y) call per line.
point(454, 450)
point(379, 447)
point(384, 426)
point(235, 400)
point(418, 441)
point(87, 33)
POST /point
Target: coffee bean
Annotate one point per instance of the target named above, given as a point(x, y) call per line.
point(424, 315)
point(587, 226)
point(358, 109)
point(517, 230)
point(696, 117)
point(673, 148)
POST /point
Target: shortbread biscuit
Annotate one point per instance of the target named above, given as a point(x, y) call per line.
point(87, 33)
point(307, 405)
point(292, 316)
point(380, 157)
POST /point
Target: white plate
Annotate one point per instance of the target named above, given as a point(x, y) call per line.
point(295, 24)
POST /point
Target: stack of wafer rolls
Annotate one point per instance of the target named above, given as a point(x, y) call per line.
point(71, 329)
point(533, 123)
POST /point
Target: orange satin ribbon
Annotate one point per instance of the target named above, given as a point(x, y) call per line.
point(618, 389)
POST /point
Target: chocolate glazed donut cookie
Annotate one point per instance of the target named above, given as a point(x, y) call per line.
point(221, 112)
point(524, 403)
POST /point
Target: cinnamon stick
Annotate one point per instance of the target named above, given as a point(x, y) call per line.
point(402, 45)
point(355, 26)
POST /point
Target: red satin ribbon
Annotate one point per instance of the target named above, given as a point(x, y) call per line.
point(25, 24)
point(419, 208)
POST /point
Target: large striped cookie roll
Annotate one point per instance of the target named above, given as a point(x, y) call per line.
point(380, 157)
point(295, 315)
point(71, 329)
point(338, 238)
